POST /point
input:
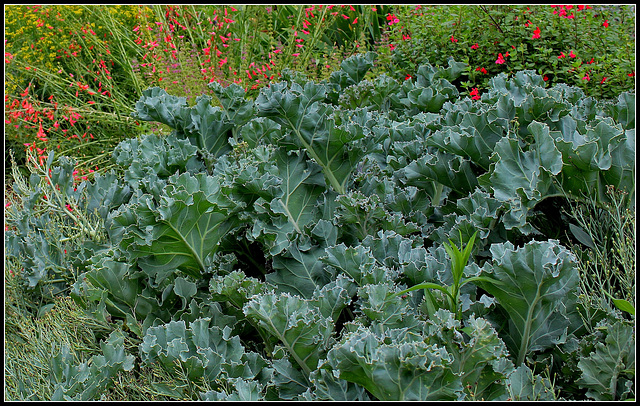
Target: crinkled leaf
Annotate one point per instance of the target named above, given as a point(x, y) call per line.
point(523, 178)
point(603, 371)
point(89, 380)
point(236, 107)
point(296, 323)
point(160, 155)
point(295, 205)
point(179, 232)
point(450, 170)
point(300, 111)
point(299, 272)
point(540, 283)
point(356, 262)
point(328, 387)
point(524, 385)
point(395, 367)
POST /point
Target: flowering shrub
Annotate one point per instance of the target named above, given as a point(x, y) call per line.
point(68, 84)
point(72, 72)
point(591, 47)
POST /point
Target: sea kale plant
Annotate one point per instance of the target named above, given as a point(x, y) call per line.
point(303, 245)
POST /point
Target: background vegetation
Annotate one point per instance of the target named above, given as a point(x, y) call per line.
point(73, 74)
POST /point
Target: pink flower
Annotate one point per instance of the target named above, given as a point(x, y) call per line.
point(406, 37)
point(392, 47)
point(500, 59)
point(536, 33)
point(586, 77)
point(475, 46)
point(392, 19)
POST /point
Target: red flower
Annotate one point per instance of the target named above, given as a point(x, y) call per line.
point(475, 46)
point(632, 74)
point(408, 77)
point(453, 39)
point(536, 33)
point(572, 55)
point(500, 59)
point(481, 69)
point(562, 55)
point(603, 79)
point(606, 23)
point(545, 78)
point(586, 77)
point(474, 94)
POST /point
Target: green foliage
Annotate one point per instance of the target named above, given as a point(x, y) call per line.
point(290, 264)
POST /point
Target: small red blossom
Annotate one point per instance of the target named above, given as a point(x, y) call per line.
point(586, 77)
point(562, 55)
point(481, 69)
point(603, 79)
point(545, 78)
point(632, 74)
point(475, 46)
point(536, 33)
point(500, 59)
point(392, 19)
point(453, 39)
point(606, 23)
point(408, 77)
point(474, 94)
point(572, 55)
